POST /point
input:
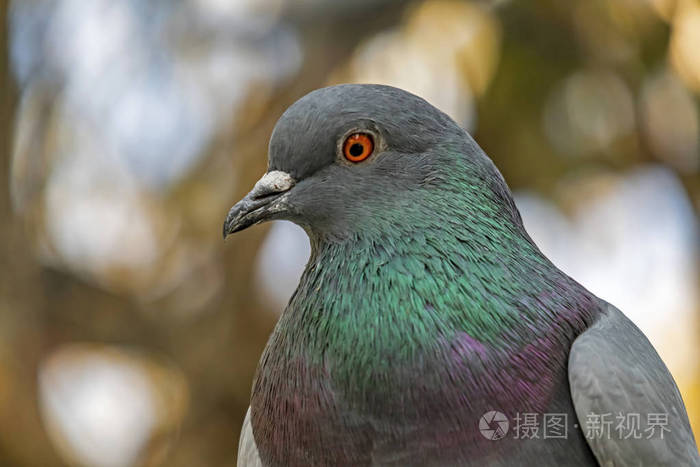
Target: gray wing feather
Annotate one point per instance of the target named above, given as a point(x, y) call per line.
point(613, 369)
point(247, 450)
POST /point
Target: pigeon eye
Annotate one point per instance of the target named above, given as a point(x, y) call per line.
point(358, 147)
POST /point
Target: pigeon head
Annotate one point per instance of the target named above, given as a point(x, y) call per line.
point(347, 157)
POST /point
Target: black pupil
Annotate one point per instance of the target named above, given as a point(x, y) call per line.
point(357, 149)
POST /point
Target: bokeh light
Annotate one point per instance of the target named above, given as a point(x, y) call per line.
point(103, 406)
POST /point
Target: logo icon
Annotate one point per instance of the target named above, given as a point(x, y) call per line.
point(493, 425)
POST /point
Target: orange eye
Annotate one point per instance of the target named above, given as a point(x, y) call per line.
point(358, 147)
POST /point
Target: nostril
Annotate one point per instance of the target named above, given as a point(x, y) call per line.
point(272, 183)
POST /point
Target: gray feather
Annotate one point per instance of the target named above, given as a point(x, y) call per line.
point(247, 450)
point(613, 369)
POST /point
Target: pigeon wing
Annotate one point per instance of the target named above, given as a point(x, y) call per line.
point(247, 450)
point(626, 401)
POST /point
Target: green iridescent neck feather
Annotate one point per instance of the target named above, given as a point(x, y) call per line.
point(449, 257)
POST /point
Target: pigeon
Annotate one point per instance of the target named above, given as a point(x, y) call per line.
point(427, 328)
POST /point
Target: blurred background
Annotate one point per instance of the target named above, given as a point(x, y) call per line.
point(129, 331)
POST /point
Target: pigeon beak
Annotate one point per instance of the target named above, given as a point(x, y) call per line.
point(264, 200)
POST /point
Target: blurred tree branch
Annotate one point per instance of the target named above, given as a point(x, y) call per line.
point(20, 304)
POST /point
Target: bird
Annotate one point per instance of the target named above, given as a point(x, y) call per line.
point(427, 328)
